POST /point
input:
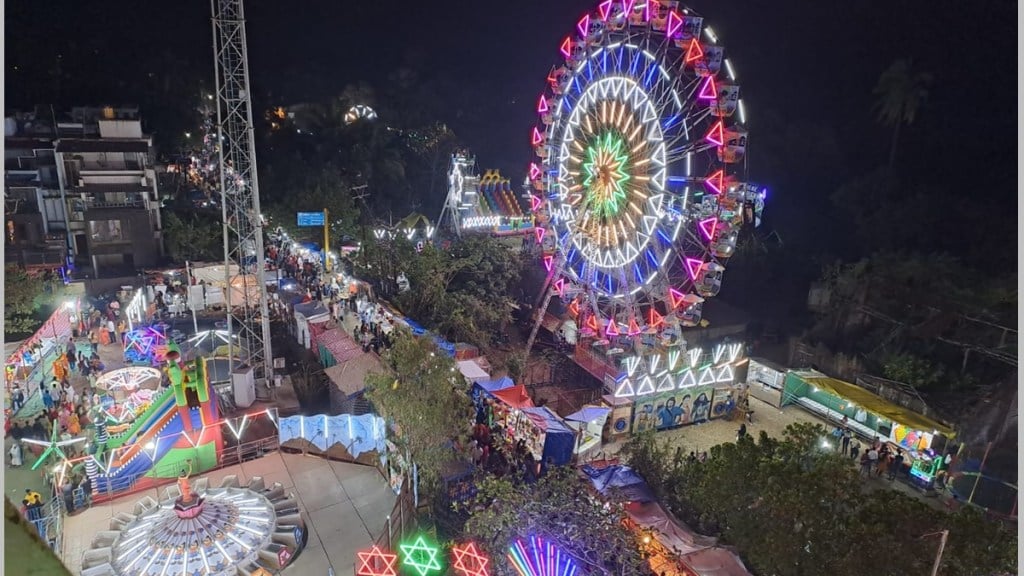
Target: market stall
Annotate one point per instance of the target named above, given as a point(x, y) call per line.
point(306, 314)
point(588, 423)
point(472, 371)
point(546, 436)
point(765, 381)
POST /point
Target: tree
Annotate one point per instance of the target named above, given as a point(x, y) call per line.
point(197, 237)
point(820, 517)
point(900, 92)
point(26, 299)
point(423, 395)
point(559, 508)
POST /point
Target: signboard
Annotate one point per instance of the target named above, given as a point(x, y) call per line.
point(311, 218)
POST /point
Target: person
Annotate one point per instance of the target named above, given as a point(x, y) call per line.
point(897, 465)
point(854, 450)
point(872, 459)
point(67, 492)
point(33, 502)
point(47, 399)
point(847, 435)
point(703, 457)
point(741, 432)
point(16, 455)
point(17, 398)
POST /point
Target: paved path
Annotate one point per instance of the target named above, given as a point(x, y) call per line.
point(345, 507)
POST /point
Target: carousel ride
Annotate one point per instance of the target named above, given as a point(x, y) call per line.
point(640, 186)
point(200, 531)
point(151, 431)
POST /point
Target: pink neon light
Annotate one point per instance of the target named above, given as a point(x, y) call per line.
point(535, 202)
point(675, 23)
point(566, 47)
point(584, 25)
point(612, 329)
point(715, 182)
point(542, 105)
point(548, 262)
point(539, 233)
point(708, 227)
point(627, 7)
point(717, 134)
point(655, 318)
point(694, 52)
point(676, 297)
point(633, 328)
point(708, 91)
point(574, 308)
point(534, 171)
point(592, 324)
point(560, 286)
point(605, 8)
point(537, 136)
point(693, 267)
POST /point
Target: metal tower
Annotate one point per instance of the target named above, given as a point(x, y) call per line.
point(248, 315)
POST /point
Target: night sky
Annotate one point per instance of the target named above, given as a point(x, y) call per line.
point(806, 69)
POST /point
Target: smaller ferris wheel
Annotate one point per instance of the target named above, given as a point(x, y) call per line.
point(640, 182)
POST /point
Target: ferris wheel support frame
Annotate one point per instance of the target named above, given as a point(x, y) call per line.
point(239, 187)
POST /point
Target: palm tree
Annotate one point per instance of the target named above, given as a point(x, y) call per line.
point(900, 92)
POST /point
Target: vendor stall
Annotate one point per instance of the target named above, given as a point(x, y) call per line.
point(472, 371)
point(306, 314)
point(765, 381)
point(588, 423)
point(546, 436)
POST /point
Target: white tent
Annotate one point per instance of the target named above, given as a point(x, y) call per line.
point(472, 371)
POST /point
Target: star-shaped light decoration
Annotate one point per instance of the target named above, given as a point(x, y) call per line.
point(469, 561)
point(376, 562)
point(420, 556)
point(605, 175)
point(54, 446)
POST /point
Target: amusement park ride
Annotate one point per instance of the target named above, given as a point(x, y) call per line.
point(640, 186)
point(477, 203)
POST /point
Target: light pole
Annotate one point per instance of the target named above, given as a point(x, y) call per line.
point(944, 535)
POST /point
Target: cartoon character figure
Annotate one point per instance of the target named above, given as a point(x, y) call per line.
point(686, 414)
point(701, 408)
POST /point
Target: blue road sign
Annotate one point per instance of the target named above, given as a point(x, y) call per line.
point(311, 218)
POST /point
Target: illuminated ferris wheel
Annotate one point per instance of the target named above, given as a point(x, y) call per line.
point(640, 183)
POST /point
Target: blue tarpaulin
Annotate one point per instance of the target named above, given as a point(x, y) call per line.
point(588, 414)
point(619, 479)
point(495, 385)
point(558, 438)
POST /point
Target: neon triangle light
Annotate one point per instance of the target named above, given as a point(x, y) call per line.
point(675, 297)
point(715, 182)
point(694, 356)
point(592, 323)
point(646, 386)
point(566, 47)
point(534, 169)
point(693, 52)
point(655, 319)
point(560, 286)
point(675, 22)
point(708, 227)
point(693, 266)
point(725, 374)
point(632, 363)
point(574, 308)
point(633, 328)
point(537, 136)
point(612, 329)
point(584, 25)
point(539, 233)
point(624, 389)
point(542, 105)
point(717, 134)
point(667, 384)
point(627, 6)
point(706, 377)
point(548, 262)
point(688, 379)
point(605, 8)
point(535, 202)
point(708, 91)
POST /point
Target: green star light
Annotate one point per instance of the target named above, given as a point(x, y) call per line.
point(606, 175)
point(421, 556)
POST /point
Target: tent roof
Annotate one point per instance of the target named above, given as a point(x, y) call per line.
point(495, 385)
point(514, 396)
point(876, 404)
point(472, 371)
point(547, 420)
point(311, 309)
point(715, 561)
point(672, 533)
point(350, 376)
point(621, 480)
point(588, 414)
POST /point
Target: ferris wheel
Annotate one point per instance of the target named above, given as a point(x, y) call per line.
point(640, 182)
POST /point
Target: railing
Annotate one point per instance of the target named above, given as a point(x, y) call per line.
point(401, 520)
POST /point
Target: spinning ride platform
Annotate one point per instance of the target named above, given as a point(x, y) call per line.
point(202, 532)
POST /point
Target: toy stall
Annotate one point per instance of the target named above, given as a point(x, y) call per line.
point(547, 437)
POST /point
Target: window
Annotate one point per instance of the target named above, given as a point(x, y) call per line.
point(106, 231)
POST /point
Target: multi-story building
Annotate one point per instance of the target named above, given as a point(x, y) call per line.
point(104, 171)
point(36, 224)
